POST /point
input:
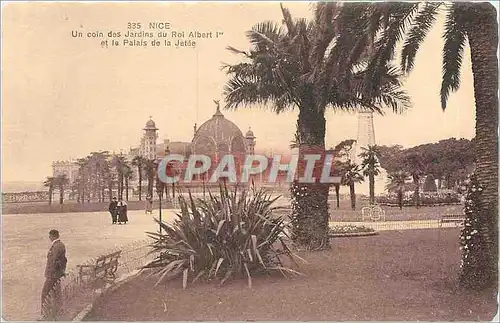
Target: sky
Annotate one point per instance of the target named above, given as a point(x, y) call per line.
point(64, 97)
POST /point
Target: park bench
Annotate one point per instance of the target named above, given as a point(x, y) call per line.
point(373, 213)
point(103, 268)
point(451, 218)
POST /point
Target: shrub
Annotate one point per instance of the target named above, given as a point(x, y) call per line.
point(430, 184)
point(338, 229)
point(231, 235)
point(426, 199)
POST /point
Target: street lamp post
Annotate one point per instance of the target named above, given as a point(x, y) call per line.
point(161, 186)
point(159, 207)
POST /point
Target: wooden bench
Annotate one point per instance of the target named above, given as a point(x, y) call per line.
point(451, 218)
point(104, 267)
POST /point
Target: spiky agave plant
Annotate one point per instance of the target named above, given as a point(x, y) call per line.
point(235, 234)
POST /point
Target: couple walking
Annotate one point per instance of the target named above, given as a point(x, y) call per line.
point(118, 210)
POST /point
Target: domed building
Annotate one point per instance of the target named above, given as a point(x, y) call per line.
point(215, 138)
point(218, 137)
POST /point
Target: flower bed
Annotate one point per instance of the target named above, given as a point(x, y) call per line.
point(351, 231)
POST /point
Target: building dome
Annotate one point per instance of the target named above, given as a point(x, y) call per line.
point(218, 136)
point(249, 133)
point(150, 124)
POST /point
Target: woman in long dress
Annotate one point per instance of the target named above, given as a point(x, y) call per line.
point(122, 212)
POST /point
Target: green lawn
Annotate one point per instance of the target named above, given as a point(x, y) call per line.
point(395, 276)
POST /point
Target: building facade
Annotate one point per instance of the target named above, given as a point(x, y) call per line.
point(68, 167)
point(148, 140)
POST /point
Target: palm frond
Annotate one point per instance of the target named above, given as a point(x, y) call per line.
point(237, 51)
point(453, 49)
point(288, 21)
point(423, 23)
point(265, 36)
point(399, 17)
point(325, 15)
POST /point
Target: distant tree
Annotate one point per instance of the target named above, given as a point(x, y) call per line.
point(61, 182)
point(351, 176)
point(390, 157)
point(342, 154)
point(150, 170)
point(50, 183)
point(370, 167)
point(342, 151)
point(121, 166)
point(430, 184)
point(397, 184)
point(413, 164)
point(128, 175)
point(139, 162)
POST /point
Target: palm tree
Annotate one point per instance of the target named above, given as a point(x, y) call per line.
point(301, 65)
point(160, 186)
point(397, 183)
point(109, 178)
point(83, 178)
point(50, 183)
point(337, 171)
point(138, 162)
point(127, 174)
point(120, 164)
point(351, 176)
point(61, 182)
point(97, 161)
point(370, 167)
point(466, 22)
point(150, 170)
point(413, 164)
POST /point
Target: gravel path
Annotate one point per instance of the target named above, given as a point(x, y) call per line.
point(25, 243)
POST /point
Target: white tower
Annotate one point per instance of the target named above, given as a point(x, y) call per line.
point(365, 138)
point(148, 141)
point(250, 139)
point(366, 135)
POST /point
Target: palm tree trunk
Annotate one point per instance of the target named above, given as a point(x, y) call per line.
point(400, 199)
point(337, 194)
point(352, 192)
point(416, 195)
point(126, 189)
point(122, 186)
point(83, 190)
point(50, 195)
point(61, 195)
point(139, 167)
point(482, 32)
point(110, 189)
point(371, 179)
point(310, 205)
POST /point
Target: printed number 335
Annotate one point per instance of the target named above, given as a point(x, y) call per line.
point(134, 25)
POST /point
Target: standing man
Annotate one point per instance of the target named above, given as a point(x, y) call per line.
point(113, 209)
point(54, 271)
